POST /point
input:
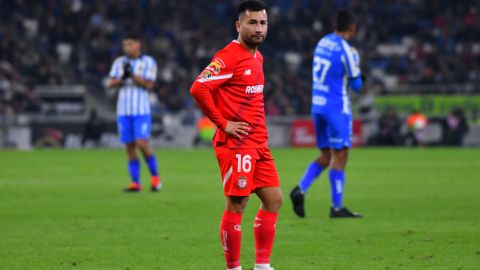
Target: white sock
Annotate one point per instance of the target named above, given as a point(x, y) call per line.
point(236, 268)
point(262, 266)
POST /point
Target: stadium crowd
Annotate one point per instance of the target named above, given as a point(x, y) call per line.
point(75, 41)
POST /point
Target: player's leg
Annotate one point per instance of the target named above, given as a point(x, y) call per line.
point(317, 166)
point(264, 226)
point(133, 167)
point(127, 136)
point(269, 192)
point(339, 136)
point(151, 161)
point(337, 176)
point(231, 230)
point(237, 168)
point(297, 195)
point(314, 170)
point(143, 126)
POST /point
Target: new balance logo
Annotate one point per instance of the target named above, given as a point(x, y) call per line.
point(247, 72)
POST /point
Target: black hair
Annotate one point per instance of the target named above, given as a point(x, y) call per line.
point(343, 21)
point(252, 5)
point(131, 36)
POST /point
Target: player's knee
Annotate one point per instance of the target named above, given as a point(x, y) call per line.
point(274, 204)
point(279, 202)
point(140, 144)
point(343, 158)
point(131, 151)
point(236, 204)
point(338, 163)
point(130, 145)
point(236, 209)
point(143, 146)
point(324, 160)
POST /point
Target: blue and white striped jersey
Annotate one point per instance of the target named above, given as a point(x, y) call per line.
point(334, 63)
point(133, 99)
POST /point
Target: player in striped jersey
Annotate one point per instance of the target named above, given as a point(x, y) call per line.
point(134, 74)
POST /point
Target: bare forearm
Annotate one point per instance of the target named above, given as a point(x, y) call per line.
point(112, 82)
point(143, 83)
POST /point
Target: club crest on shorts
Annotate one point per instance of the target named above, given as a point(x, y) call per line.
point(242, 182)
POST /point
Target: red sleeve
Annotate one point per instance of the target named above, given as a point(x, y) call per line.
point(219, 71)
point(204, 98)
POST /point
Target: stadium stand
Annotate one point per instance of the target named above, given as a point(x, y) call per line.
point(419, 46)
point(403, 43)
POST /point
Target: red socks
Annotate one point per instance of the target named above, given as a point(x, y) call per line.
point(264, 230)
point(231, 235)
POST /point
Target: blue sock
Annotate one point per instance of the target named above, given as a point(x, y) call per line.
point(134, 169)
point(337, 182)
point(152, 165)
point(312, 172)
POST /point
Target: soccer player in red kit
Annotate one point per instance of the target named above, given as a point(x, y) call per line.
point(230, 93)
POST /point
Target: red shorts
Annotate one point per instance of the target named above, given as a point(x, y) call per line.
point(244, 170)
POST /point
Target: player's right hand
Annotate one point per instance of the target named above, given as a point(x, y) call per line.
point(237, 129)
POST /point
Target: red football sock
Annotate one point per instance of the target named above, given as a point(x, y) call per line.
point(231, 235)
point(264, 230)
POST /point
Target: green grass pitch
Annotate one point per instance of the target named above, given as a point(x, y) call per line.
point(65, 210)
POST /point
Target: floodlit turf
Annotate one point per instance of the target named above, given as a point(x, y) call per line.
point(64, 210)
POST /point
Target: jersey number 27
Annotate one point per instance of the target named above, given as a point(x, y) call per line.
point(320, 69)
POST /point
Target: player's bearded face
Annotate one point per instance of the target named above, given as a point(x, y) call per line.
point(252, 27)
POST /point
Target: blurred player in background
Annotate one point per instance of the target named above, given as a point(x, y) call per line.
point(134, 74)
point(335, 68)
point(230, 93)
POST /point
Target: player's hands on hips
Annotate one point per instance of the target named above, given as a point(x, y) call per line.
point(237, 129)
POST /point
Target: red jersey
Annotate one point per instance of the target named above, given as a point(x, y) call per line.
point(235, 80)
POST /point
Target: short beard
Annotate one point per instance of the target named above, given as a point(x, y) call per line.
point(252, 43)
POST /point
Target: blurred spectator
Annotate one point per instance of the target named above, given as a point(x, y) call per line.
point(457, 128)
point(15, 95)
point(52, 109)
point(94, 129)
point(402, 42)
point(389, 129)
point(50, 138)
point(417, 124)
